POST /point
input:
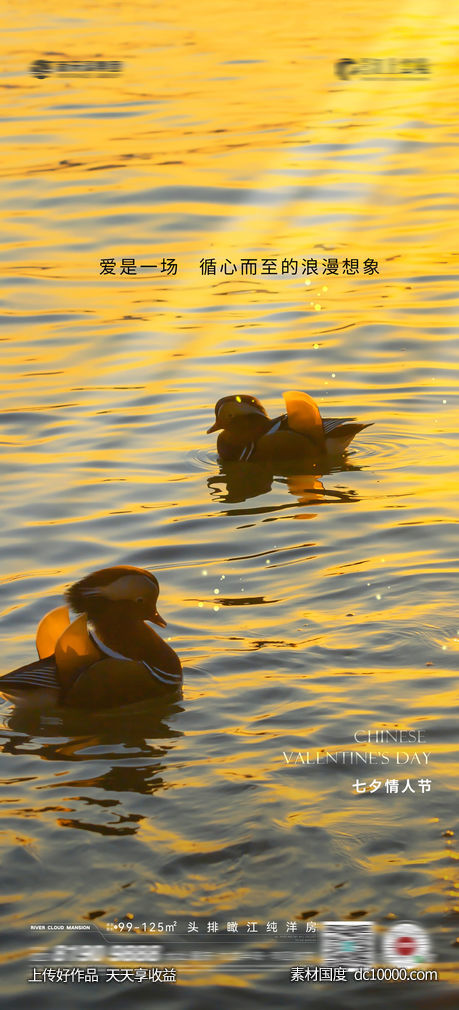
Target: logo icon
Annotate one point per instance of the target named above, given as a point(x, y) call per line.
point(406, 944)
point(40, 68)
point(346, 69)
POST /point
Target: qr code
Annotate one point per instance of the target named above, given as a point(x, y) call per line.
point(348, 944)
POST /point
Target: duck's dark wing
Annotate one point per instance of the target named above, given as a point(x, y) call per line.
point(339, 432)
point(329, 423)
point(335, 427)
point(41, 674)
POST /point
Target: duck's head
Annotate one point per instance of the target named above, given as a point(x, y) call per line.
point(125, 592)
point(238, 411)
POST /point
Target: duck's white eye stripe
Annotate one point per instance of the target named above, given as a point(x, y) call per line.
point(127, 587)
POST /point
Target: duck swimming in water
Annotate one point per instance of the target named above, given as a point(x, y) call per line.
point(108, 655)
point(247, 433)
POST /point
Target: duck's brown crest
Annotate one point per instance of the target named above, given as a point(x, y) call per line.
point(80, 595)
point(240, 398)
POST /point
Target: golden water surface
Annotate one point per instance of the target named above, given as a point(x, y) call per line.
point(306, 606)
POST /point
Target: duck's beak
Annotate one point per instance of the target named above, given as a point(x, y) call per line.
point(157, 619)
point(215, 427)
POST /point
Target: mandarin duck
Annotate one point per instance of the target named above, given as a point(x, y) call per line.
point(108, 655)
point(247, 433)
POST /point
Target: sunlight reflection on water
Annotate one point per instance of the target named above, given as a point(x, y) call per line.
point(318, 628)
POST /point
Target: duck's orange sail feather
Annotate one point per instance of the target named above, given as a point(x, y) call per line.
point(50, 629)
point(304, 416)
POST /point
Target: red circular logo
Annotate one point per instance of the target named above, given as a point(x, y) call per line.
point(405, 945)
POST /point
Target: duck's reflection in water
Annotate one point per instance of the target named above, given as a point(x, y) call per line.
point(239, 482)
point(123, 752)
